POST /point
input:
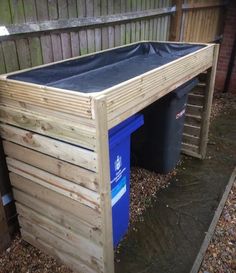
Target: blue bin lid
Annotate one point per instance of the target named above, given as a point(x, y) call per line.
point(124, 129)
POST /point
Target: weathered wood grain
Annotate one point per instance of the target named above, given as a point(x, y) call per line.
point(52, 165)
point(57, 200)
point(55, 183)
point(52, 147)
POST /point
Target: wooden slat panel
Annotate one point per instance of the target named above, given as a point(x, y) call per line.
point(52, 165)
point(59, 216)
point(86, 248)
point(56, 128)
point(195, 99)
point(155, 84)
point(193, 120)
point(55, 183)
point(192, 130)
point(194, 109)
point(72, 262)
point(62, 245)
point(57, 200)
point(190, 148)
point(190, 139)
point(70, 102)
point(52, 147)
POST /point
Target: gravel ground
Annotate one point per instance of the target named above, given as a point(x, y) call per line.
point(143, 188)
point(24, 258)
point(221, 253)
point(21, 257)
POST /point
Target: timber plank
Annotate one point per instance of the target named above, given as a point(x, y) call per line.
point(55, 183)
point(52, 147)
point(59, 216)
point(52, 165)
point(60, 244)
point(57, 200)
point(56, 128)
point(72, 262)
point(82, 244)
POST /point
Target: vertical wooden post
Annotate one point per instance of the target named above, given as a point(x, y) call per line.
point(4, 230)
point(211, 74)
point(100, 112)
point(176, 21)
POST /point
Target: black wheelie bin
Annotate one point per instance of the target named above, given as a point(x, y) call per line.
point(157, 145)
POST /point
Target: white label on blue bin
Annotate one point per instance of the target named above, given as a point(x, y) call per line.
point(118, 191)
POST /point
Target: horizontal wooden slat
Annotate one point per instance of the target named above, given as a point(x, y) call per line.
point(56, 128)
point(55, 183)
point(82, 22)
point(155, 84)
point(195, 99)
point(54, 113)
point(86, 248)
point(59, 216)
point(190, 139)
point(72, 262)
point(58, 243)
point(189, 147)
point(52, 147)
point(193, 120)
point(194, 109)
point(71, 102)
point(207, 4)
point(192, 130)
point(55, 199)
point(52, 165)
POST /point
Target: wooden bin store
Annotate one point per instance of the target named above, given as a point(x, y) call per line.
point(56, 146)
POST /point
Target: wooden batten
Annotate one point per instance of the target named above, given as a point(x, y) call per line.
point(70, 102)
point(64, 151)
point(56, 199)
point(60, 168)
point(81, 135)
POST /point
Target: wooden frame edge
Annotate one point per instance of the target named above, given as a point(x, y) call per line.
point(211, 74)
point(210, 232)
point(100, 111)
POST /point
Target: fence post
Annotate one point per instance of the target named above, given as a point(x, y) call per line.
point(176, 21)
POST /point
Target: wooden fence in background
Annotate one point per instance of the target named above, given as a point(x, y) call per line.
point(33, 32)
point(75, 27)
point(198, 20)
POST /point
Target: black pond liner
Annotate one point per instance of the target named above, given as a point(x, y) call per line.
point(97, 72)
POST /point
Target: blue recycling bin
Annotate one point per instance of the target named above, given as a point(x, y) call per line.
point(119, 151)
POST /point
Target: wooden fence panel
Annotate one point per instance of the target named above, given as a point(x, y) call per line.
point(34, 47)
point(201, 21)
